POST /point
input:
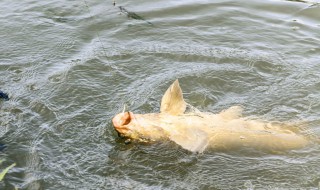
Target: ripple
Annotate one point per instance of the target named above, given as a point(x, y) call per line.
point(70, 66)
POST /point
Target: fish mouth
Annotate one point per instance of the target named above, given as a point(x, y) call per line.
point(121, 123)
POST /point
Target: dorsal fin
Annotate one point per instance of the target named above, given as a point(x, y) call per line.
point(172, 101)
point(233, 112)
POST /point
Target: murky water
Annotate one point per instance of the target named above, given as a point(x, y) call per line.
point(70, 66)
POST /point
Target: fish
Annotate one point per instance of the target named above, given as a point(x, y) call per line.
point(133, 15)
point(198, 131)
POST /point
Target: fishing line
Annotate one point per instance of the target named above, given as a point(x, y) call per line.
point(98, 34)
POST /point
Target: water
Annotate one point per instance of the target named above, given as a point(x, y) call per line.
point(70, 66)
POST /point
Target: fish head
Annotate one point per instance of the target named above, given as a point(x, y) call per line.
point(121, 123)
point(139, 127)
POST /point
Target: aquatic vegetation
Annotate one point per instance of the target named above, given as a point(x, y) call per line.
point(5, 171)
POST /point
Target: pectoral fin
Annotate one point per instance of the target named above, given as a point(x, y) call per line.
point(172, 101)
point(194, 140)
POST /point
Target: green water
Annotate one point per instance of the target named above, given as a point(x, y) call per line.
point(70, 66)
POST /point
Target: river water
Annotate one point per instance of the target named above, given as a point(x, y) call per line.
point(70, 66)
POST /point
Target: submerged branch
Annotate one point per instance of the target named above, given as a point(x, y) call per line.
point(133, 15)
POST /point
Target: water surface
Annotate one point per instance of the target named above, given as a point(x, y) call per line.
point(70, 66)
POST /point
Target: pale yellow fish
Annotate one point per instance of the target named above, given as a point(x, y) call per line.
point(197, 131)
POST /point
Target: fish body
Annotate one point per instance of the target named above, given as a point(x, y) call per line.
point(196, 132)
